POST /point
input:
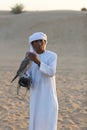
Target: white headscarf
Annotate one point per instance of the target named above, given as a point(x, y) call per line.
point(37, 36)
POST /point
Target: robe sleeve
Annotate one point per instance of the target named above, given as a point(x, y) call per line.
point(50, 68)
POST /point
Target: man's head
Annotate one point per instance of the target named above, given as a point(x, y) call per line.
point(38, 41)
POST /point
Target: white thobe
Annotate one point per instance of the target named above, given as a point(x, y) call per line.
point(43, 97)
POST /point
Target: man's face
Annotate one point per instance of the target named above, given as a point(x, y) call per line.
point(39, 46)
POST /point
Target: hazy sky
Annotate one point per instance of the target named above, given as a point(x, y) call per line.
point(45, 4)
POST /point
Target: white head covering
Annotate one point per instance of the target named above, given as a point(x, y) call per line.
point(37, 36)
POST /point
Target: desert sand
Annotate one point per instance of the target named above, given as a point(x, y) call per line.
point(67, 36)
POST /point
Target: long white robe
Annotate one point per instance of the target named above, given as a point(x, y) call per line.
point(43, 97)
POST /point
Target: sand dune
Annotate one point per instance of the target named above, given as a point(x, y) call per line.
point(67, 32)
point(67, 36)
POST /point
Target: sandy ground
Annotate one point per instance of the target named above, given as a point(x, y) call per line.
point(67, 36)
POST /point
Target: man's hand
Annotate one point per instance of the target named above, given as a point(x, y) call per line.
point(34, 58)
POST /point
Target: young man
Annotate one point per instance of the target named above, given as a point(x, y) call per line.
point(43, 97)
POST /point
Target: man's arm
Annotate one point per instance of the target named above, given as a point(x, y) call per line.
point(50, 68)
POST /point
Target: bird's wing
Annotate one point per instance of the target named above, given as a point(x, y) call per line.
point(23, 65)
point(26, 62)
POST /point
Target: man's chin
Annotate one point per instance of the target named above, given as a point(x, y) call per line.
point(40, 51)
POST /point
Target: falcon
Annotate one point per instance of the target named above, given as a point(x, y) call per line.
point(24, 66)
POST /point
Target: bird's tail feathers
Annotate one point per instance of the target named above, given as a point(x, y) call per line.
point(14, 78)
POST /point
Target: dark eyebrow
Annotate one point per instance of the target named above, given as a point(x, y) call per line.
point(37, 40)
